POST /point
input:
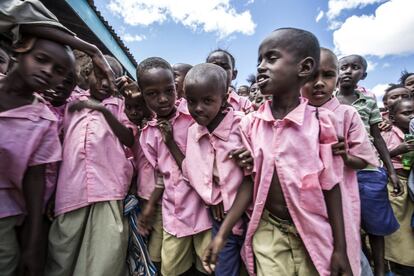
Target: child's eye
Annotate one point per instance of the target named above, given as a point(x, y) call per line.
point(355, 67)
point(208, 101)
point(40, 58)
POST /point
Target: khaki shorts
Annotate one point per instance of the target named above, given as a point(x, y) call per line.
point(92, 241)
point(279, 250)
point(177, 254)
point(9, 246)
point(399, 246)
point(155, 239)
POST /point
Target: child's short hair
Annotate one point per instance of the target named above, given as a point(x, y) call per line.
point(152, 62)
point(394, 108)
point(115, 65)
point(301, 43)
point(361, 59)
point(84, 61)
point(404, 76)
point(329, 51)
point(233, 60)
point(251, 79)
point(203, 70)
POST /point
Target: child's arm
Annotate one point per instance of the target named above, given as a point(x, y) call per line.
point(339, 262)
point(240, 204)
point(351, 161)
point(33, 244)
point(124, 134)
point(402, 148)
point(167, 136)
point(385, 157)
point(144, 220)
point(65, 38)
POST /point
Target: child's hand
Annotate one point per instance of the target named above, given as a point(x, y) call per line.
point(385, 125)
point(210, 254)
point(405, 147)
point(243, 158)
point(90, 104)
point(218, 211)
point(166, 130)
point(340, 264)
point(340, 148)
point(145, 219)
point(398, 188)
point(126, 86)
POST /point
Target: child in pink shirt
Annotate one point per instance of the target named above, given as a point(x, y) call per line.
point(296, 226)
point(214, 176)
point(28, 141)
point(399, 245)
point(186, 221)
point(354, 148)
point(226, 61)
point(94, 178)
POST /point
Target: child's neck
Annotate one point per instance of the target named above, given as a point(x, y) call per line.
point(14, 93)
point(283, 104)
point(347, 91)
point(216, 121)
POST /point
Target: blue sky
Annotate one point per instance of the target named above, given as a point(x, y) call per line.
point(187, 30)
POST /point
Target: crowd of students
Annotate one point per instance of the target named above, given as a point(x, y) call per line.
point(308, 177)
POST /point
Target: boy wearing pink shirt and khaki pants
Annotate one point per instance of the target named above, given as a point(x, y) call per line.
point(185, 217)
point(297, 225)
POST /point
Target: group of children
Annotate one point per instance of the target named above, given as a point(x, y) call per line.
point(287, 186)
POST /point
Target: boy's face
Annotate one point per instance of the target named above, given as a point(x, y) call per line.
point(409, 83)
point(243, 91)
point(158, 88)
point(4, 61)
point(396, 95)
point(98, 86)
point(45, 66)
point(59, 95)
point(351, 71)
point(204, 100)
point(277, 68)
point(319, 90)
point(224, 61)
point(403, 116)
point(179, 76)
point(136, 110)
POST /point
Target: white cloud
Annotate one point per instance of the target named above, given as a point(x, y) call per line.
point(335, 7)
point(371, 65)
point(131, 38)
point(388, 32)
point(379, 91)
point(319, 16)
point(209, 15)
point(386, 65)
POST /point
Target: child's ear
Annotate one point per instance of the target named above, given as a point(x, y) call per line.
point(364, 76)
point(306, 67)
point(234, 74)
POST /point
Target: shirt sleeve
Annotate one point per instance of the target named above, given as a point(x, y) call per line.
point(332, 172)
point(375, 116)
point(358, 142)
point(14, 13)
point(49, 149)
point(147, 142)
point(245, 130)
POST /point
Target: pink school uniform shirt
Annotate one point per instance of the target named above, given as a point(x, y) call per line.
point(183, 211)
point(298, 148)
point(393, 139)
point(239, 103)
point(28, 137)
point(203, 150)
point(145, 172)
point(94, 166)
point(350, 126)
